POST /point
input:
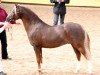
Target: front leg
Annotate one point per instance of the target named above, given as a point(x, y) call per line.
point(38, 52)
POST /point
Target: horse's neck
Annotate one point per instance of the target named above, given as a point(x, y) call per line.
point(30, 23)
point(30, 19)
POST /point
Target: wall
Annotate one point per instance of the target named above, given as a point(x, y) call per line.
point(72, 2)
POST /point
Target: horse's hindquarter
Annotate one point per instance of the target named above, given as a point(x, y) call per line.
point(75, 33)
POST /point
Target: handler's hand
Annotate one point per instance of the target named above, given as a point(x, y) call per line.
point(7, 25)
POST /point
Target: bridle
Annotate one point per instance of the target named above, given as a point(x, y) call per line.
point(14, 12)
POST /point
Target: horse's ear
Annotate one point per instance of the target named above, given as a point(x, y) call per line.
point(16, 5)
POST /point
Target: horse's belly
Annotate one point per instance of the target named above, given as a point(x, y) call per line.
point(55, 43)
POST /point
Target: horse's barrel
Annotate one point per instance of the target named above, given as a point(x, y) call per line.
point(54, 1)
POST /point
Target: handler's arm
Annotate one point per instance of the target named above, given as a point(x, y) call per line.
point(4, 25)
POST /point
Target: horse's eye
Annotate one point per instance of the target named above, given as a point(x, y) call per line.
point(8, 19)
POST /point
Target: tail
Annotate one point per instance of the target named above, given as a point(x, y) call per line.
point(87, 46)
point(88, 53)
point(87, 41)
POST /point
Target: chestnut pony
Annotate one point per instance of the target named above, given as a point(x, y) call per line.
point(42, 35)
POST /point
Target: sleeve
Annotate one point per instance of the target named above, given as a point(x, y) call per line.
point(5, 13)
point(53, 1)
point(67, 1)
point(1, 25)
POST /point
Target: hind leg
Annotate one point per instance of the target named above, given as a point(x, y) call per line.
point(86, 52)
point(87, 55)
point(78, 55)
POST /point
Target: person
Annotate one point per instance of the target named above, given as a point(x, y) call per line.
point(3, 25)
point(59, 10)
point(3, 38)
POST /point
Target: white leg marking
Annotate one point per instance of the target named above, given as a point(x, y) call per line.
point(90, 67)
point(77, 67)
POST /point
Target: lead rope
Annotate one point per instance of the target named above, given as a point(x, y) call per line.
point(10, 30)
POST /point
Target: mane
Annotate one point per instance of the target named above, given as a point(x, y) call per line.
point(31, 15)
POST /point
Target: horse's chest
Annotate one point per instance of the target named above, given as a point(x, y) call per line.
point(35, 37)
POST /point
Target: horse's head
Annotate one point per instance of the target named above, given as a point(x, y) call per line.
point(14, 15)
